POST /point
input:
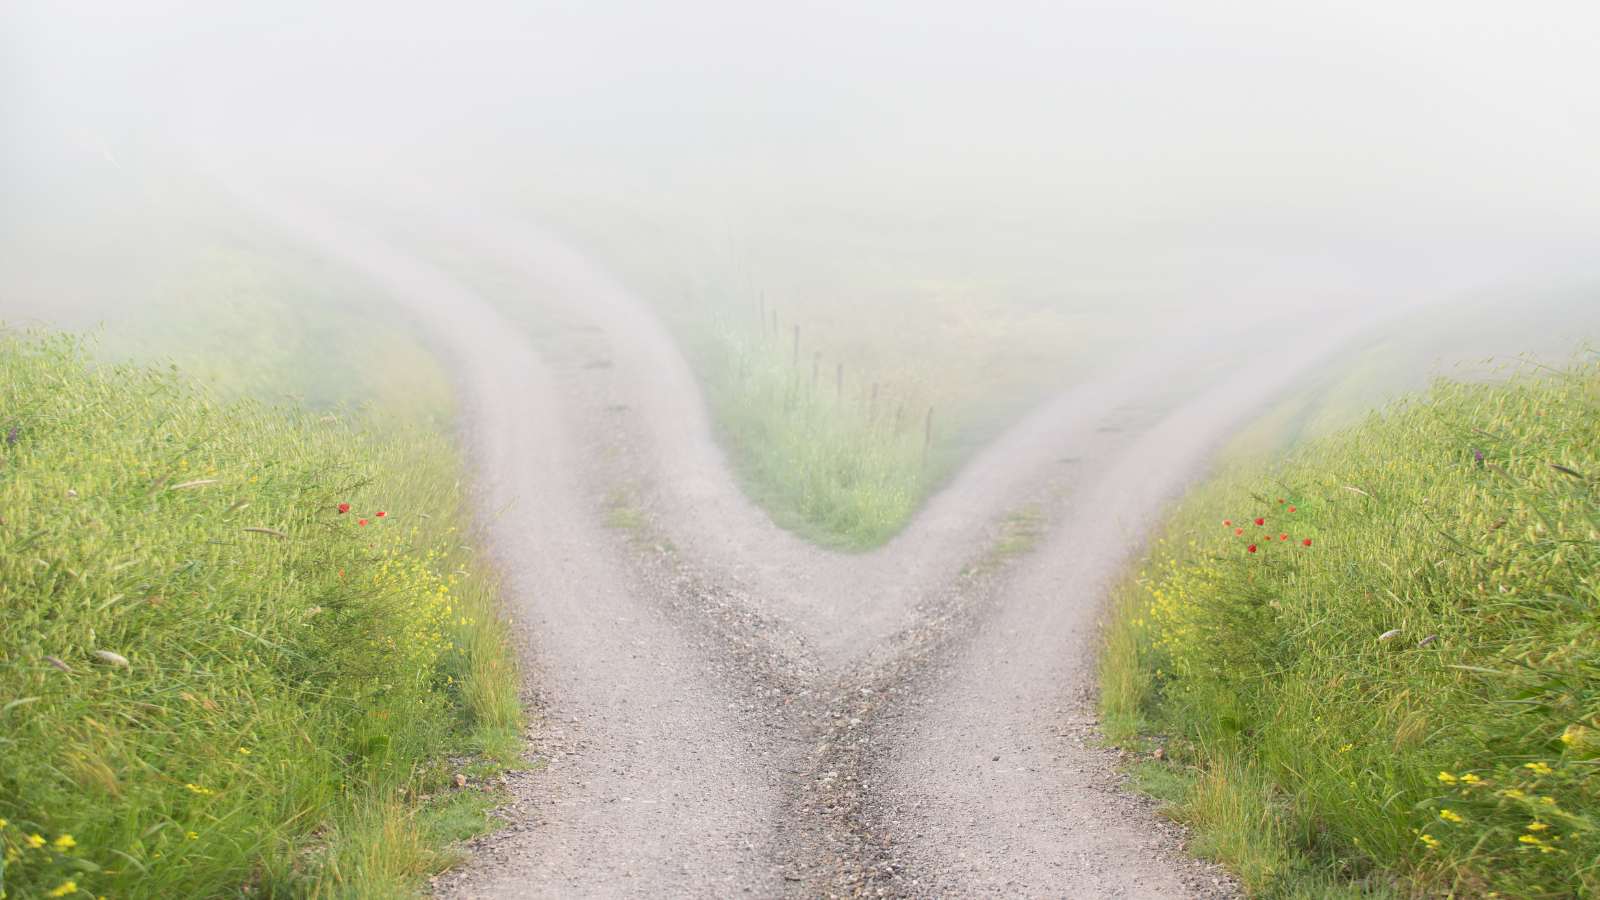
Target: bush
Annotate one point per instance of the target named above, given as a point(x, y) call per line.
point(1397, 629)
point(228, 641)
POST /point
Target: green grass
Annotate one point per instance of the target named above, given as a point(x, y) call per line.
point(1410, 704)
point(192, 708)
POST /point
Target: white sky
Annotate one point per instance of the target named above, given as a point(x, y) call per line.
point(1430, 120)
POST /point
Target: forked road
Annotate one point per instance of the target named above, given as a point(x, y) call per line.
point(747, 715)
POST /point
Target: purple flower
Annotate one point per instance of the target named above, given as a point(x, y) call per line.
point(12, 436)
point(1478, 456)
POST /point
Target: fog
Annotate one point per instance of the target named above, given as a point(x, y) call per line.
point(1312, 155)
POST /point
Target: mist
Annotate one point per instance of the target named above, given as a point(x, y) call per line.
point(1316, 157)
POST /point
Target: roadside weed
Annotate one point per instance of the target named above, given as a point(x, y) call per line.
point(1382, 653)
point(233, 651)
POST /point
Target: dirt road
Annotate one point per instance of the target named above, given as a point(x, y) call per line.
point(747, 715)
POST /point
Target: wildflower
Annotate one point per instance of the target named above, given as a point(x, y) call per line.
point(1530, 839)
point(1291, 509)
point(1447, 778)
point(1431, 841)
point(244, 751)
point(62, 843)
point(1261, 521)
point(1513, 793)
point(1238, 531)
point(35, 841)
point(1470, 778)
point(362, 522)
point(1537, 826)
point(344, 508)
point(12, 436)
point(1280, 500)
point(381, 514)
point(1306, 542)
point(1283, 537)
point(70, 887)
point(1227, 523)
point(1450, 815)
point(1250, 549)
point(193, 836)
point(1538, 768)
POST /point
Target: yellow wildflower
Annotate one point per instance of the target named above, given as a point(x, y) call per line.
point(1450, 815)
point(70, 887)
point(35, 841)
point(62, 843)
point(1537, 826)
point(1447, 778)
point(1470, 778)
point(1539, 768)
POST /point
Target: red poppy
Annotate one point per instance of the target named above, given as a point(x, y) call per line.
point(1238, 531)
point(1283, 537)
point(1291, 509)
point(1250, 549)
point(1307, 542)
point(1226, 522)
point(362, 522)
point(1280, 501)
point(381, 513)
point(1261, 521)
point(344, 508)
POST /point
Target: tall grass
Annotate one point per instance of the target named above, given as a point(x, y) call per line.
point(1382, 655)
point(833, 465)
point(237, 643)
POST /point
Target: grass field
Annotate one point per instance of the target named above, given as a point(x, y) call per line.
point(244, 647)
point(1373, 666)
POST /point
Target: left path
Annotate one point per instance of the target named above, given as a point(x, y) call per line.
point(673, 791)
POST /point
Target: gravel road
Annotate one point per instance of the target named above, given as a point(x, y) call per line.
point(722, 710)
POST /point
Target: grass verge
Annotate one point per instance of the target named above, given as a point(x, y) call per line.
point(1376, 664)
point(245, 650)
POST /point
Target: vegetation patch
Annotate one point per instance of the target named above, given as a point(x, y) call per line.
point(236, 643)
point(1018, 535)
point(1376, 664)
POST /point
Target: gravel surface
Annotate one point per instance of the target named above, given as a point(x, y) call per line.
point(720, 710)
